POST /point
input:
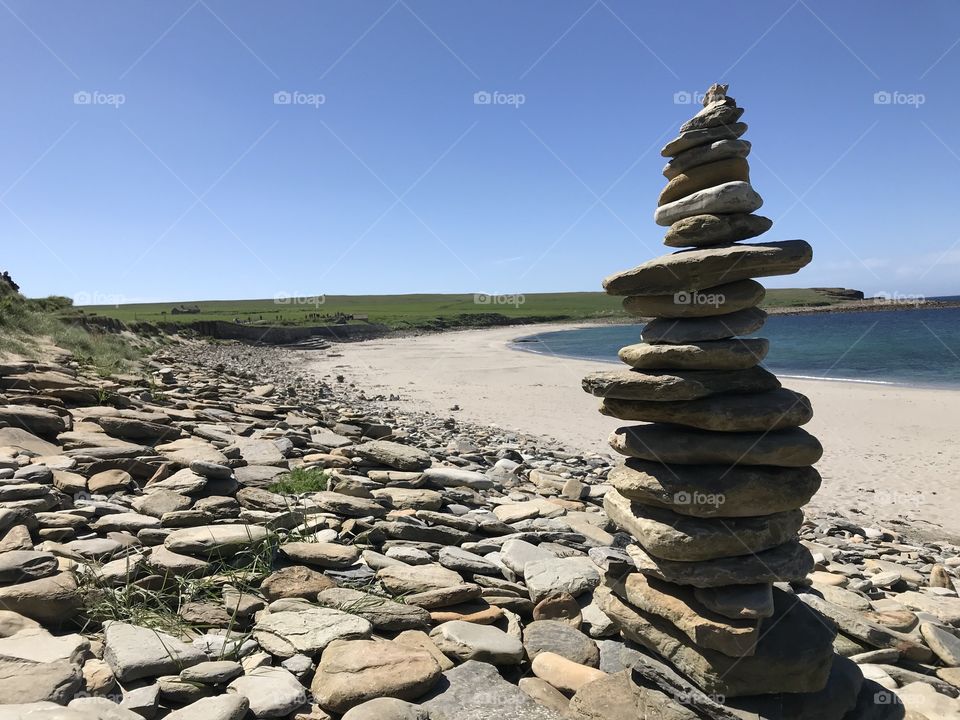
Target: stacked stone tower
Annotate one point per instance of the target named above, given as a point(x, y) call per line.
point(716, 474)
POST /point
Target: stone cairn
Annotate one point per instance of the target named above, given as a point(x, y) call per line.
point(714, 478)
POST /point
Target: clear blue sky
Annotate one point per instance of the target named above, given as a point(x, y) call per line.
point(200, 186)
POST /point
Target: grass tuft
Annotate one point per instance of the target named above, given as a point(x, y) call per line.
point(301, 480)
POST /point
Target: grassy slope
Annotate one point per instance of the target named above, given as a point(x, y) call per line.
point(406, 311)
point(29, 326)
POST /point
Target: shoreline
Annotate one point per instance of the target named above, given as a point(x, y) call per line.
point(889, 450)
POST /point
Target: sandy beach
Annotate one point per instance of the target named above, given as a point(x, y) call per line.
point(890, 452)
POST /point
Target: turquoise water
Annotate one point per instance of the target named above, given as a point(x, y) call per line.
point(904, 347)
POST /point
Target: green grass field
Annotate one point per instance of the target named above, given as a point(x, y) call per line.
point(409, 311)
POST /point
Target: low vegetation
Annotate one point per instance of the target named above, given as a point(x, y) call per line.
point(301, 480)
point(27, 325)
point(411, 312)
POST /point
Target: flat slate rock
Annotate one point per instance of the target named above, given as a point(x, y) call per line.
point(704, 176)
point(754, 412)
point(306, 629)
point(718, 112)
point(733, 354)
point(476, 691)
point(794, 656)
point(135, 652)
point(715, 490)
point(837, 698)
point(216, 540)
point(393, 454)
point(355, 671)
point(696, 269)
point(667, 535)
point(469, 641)
point(703, 154)
point(383, 613)
point(677, 385)
point(790, 562)
point(730, 197)
point(793, 447)
point(749, 602)
point(707, 230)
point(695, 138)
point(679, 605)
point(719, 300)
point(703, 329)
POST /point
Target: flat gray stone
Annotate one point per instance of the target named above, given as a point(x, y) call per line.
point(403, 579)
point(715, 490)
point(705, 136)
point(476, 691)
point(669, 536)
point(381, 612)
point(677, 385)
point(136, 652)
point(56, 681)
point(694, 269)
point(572, 575)
point(733, 354)
point(486, 643)
point(221, 707)
point(719, 300)
point(692, 330)
point(270, 691)
point(710, 230)
point(704, 154)
point(216, 540)
point(772, 410)
point(731, 197)
point(790, 562)
point(558, 637)
point(386, 709)
point(793, 656)
point(393, 454)
point(308, 630)
point(793, 447)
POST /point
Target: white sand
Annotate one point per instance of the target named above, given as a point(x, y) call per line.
point(891, 452)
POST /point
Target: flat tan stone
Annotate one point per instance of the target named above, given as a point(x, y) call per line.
point(677, 603)
point(709, 230)
point(703, 329)
point(715, 490)
point(669, 536)
point(719, 300)
point(677, 385)
point(732, 354)
point(696, 269)
point(790, 562)
point(704, 176)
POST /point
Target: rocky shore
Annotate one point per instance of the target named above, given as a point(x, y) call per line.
point(434, 569)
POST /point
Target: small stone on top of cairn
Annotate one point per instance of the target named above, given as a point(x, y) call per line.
point(714, 479)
